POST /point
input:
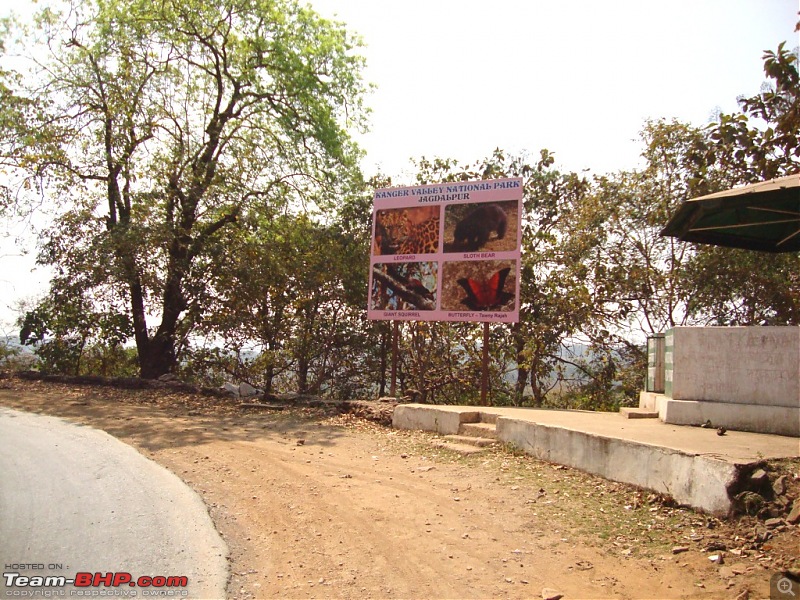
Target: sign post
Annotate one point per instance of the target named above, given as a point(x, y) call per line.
point(447, 252)
point(393, 386)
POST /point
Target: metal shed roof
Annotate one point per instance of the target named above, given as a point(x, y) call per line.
point(763, 216)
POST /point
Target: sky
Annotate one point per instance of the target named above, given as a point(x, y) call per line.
point(459, 78)
point(578, 77)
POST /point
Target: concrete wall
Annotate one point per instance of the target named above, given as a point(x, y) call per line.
point(689, 479)
point(444, 421)
point(735, 365)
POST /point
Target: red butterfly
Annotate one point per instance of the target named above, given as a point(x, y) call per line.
point(486, 295)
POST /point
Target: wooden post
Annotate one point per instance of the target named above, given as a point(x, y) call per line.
point(485, 401)
point(393, 385)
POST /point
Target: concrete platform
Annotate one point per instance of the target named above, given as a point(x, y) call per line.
point(780, 420)
point(694, 465)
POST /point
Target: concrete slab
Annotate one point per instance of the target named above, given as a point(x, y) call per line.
point(780, 420)
point(464, 449)
point(479, 430)
point(445, 422)
point(692, 464)
point(469, 440)
point(638, 413)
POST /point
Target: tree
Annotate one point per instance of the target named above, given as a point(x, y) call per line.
point(647, 271)
point(728, 286)
point(329, 308)
point(761, 142)
point(157, 125)
point(67, 324)
point(285, 302)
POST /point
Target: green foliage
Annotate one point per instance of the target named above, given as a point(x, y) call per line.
point(641, 270)
point(109, 361)
point(9, 354)
point(286, 300)
point(439, 363)
point(154, 127)
point(605, 379)
point(737, 287)
point(198, 160)
point(761, 142)
point(70, 336)
point(734, 287)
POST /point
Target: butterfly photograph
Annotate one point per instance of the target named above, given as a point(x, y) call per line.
point(479, 286)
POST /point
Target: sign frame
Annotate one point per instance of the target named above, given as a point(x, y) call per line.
point(447, 252)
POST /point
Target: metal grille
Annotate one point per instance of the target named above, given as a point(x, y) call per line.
point(656, 350)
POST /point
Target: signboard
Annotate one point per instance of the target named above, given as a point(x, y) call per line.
point(447, 252)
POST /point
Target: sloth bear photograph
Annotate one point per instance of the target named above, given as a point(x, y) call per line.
point(473, 231)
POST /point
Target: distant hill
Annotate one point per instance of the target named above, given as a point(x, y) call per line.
point(13, 354)
point(12, 341)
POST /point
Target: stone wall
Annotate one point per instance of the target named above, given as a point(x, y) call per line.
point(740, 365)
point(745, 378)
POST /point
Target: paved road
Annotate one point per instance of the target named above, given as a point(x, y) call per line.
point(74, 499)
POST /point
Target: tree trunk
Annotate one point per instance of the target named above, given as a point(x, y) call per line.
point(157, 353)
point(158, 358)
point(538, 392)
point(269, 376)
point(304, 348)
point(522, 381)
point(302, 375)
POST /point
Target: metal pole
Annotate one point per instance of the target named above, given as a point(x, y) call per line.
point(485, 367)
point(393, 386)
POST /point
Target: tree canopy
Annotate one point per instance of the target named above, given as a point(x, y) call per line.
point(155, 126)
point(207, 203)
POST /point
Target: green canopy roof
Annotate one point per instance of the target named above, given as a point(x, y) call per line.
point(762, 216)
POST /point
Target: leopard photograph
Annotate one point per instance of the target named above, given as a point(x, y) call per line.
point(408, 231)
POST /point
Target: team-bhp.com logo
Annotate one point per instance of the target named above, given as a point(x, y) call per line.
point(88, 584)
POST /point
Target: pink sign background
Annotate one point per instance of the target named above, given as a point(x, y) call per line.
point(447, 252)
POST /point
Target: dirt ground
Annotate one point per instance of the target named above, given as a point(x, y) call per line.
point(316, 505)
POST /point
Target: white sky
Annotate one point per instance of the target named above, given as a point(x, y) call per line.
point(458, 78)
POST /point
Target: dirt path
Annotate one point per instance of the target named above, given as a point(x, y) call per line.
point(314, 506)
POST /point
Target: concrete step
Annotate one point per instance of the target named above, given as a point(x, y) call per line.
point(648, 400)
point(487, 417)
point(638, 413)
point(479, 430)
point(470, 440)
point(464, 449)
